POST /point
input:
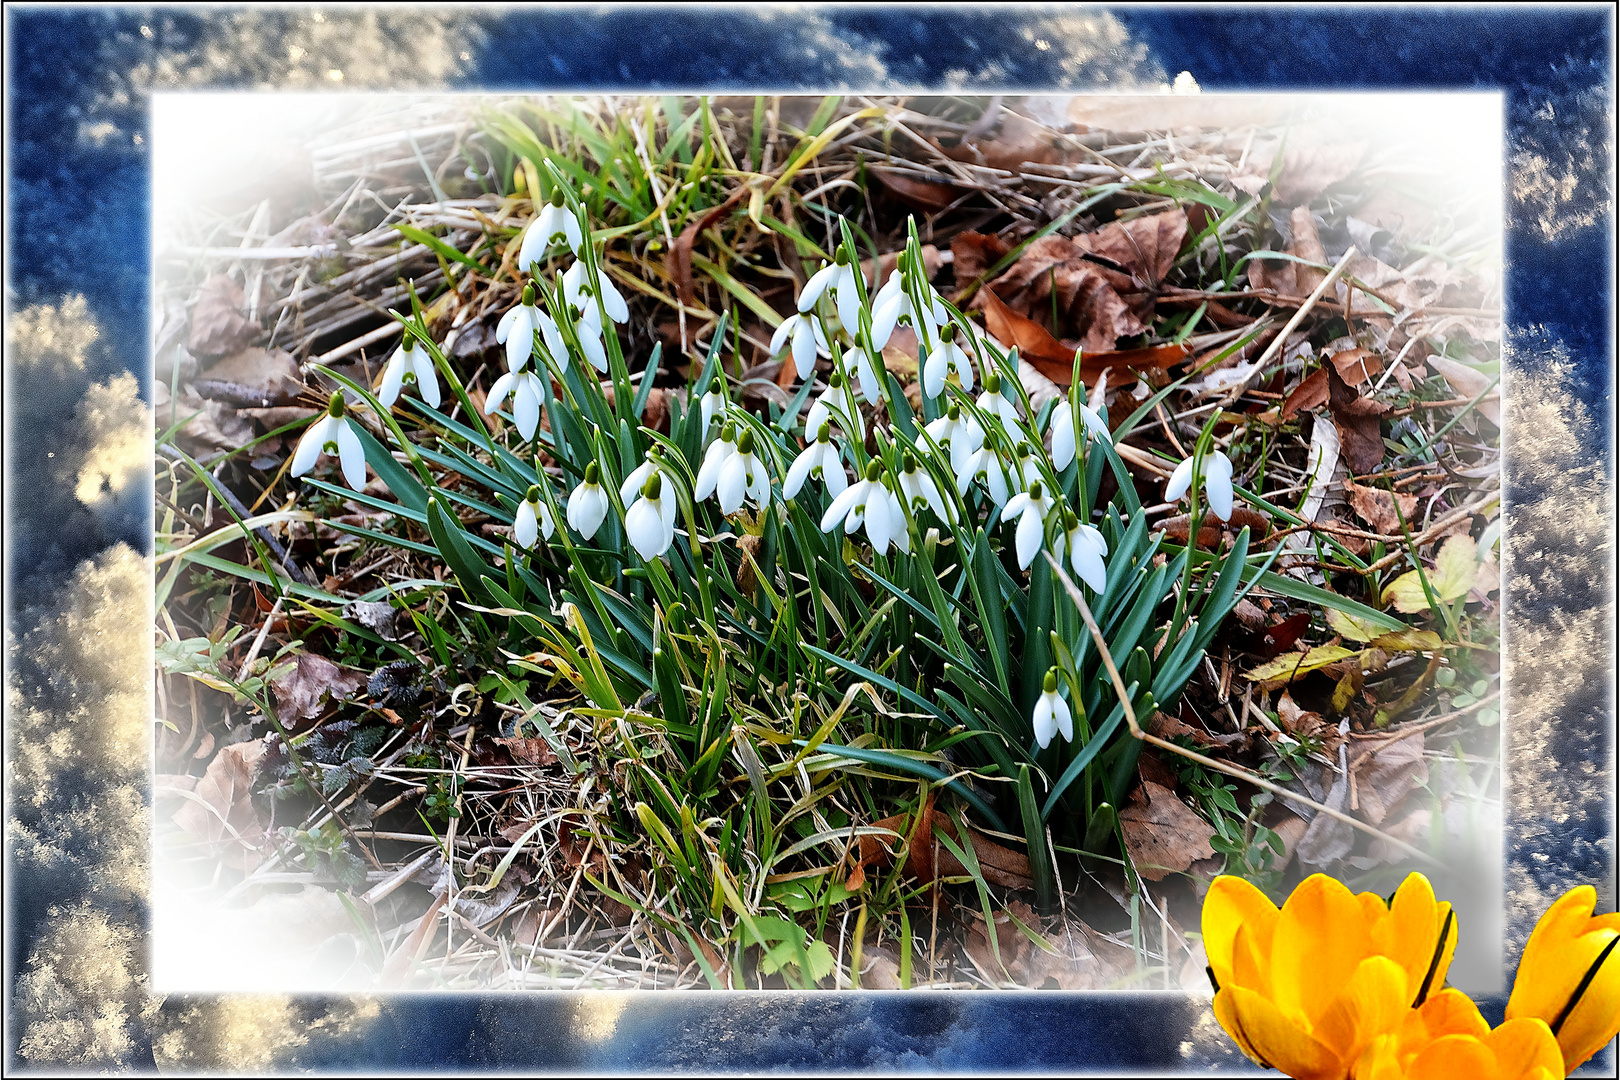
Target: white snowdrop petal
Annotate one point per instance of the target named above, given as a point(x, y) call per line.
point(804, 348)
point(631, 488)
point(816, 286)
point(1065, 720)
point(427, 379)
point(1045, 725)
point(1089, 565)
point(879, 524)
point(644, 527)
point(591, 344)
point(351, 455)
point(393, 378)
point(525, 527)
point(526, 405)
point(571, 230)
point(733, 483)
point(799, 471)
point(1180, 480)
point(1028, 536)
point(843, 503)
point(309, 446)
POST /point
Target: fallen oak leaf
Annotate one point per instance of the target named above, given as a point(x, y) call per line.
point(1356, 366)
point(1163, 835)
point(1360, 423)
point(1377, 507)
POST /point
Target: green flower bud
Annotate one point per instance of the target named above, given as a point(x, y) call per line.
point(334, 407)
point(874, 469)
point(534, 493)
point(824, 433)
point(992, 382)
point(528, 295)
point(1050, 683)
point(841, 257)
point(947, 333)
point(556, 196)
point(593, 472)
point(746, 443)
point(909, 462)
point(653, 487)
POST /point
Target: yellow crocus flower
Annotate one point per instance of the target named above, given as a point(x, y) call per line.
point(1569, 976)
point(1307, 988)
point(1446, 1038)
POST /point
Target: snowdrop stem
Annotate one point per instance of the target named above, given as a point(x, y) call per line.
point(1195, 510)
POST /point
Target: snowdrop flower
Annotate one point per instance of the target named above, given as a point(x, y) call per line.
point(533, 515)
point(895, 284)
point(516, 331)
point(986, 465)
point(866, 372)
point(743, 476)
point(1027, 467)
point(898, 309)
point(588, 505)
point(1096, 425)
point(553, 223)
point(409, 364)
point(835, 404)
point(588, 329)
point(1217, 483)
point(820, 461)
point(840, 277)
point(957, 431)
point(650, 520)
point(332, 434)
point(946, 358)
point(1085, 547)
point(527, 397)
point(991, 403)
point(868, 502)
point(1061, 427)
point(577, 291)
point(1031, 508)
point(715, 403)
point(719, 452)
point(807, 339)
point(919, 488)
point(1052, 713)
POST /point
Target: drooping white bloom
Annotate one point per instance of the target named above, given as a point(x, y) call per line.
point(332, 434)
point(1052, 713)
point(554, 222)
point(588, 329)
point(1096, 425)
point(1031, 508)
point(957, 431)
point(1217, 483)
point(1027, 466)
point(946, 358)
point(837, 406)
point(533, 516)
point(577, 292)
point(818, 284)
point(714, 460)
point(986, 465)
point(588, 505)
point(516, 331)
point(818, 460)
point(867, 502)
point(898, 309)
point(649, 522)
point(866, 372)
point(991, 403)
point(743, 476)
point(1061, 426)
point(715, 403)
point(805, 333)
point(919, 488)
point(409, 364)
point(1086, 548)
point(895, 284)
point(527, 397)
point(840, 277)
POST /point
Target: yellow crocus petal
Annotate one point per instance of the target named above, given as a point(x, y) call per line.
point(1320, 940)
point(1526, 1048)
point(1374, 1002)
point(1451, 1012)
point(1274, 1040)
point(1452, 1057)
point(1420, 934)
point(1380, 1060)
point(1569, 976)
point(1233, 902)
point(1250, 969)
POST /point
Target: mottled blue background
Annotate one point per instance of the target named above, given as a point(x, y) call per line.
point(77, 223)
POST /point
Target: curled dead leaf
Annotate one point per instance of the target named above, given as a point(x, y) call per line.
point(303, 692)
point(218, 327)
point(1163, 834)
point(220, 810)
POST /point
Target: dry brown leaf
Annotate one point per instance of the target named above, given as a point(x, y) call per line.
point(222, 812)
point(929, 196)
point(1360, 424)
point(1032, 340)
point(218, 327)
point(1145, 247)
point(679, 260)
point(1469, 383)
point(1376, 507)
point(1162, 834)
point(1356, 366)
point(301, 693)
point(1389, 776)
point(1010, 141)
point(1309, 168)
point(252, 378)
point(1000, 865)
point(1311, 393)
point(972, 254)
point(1209, 533)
